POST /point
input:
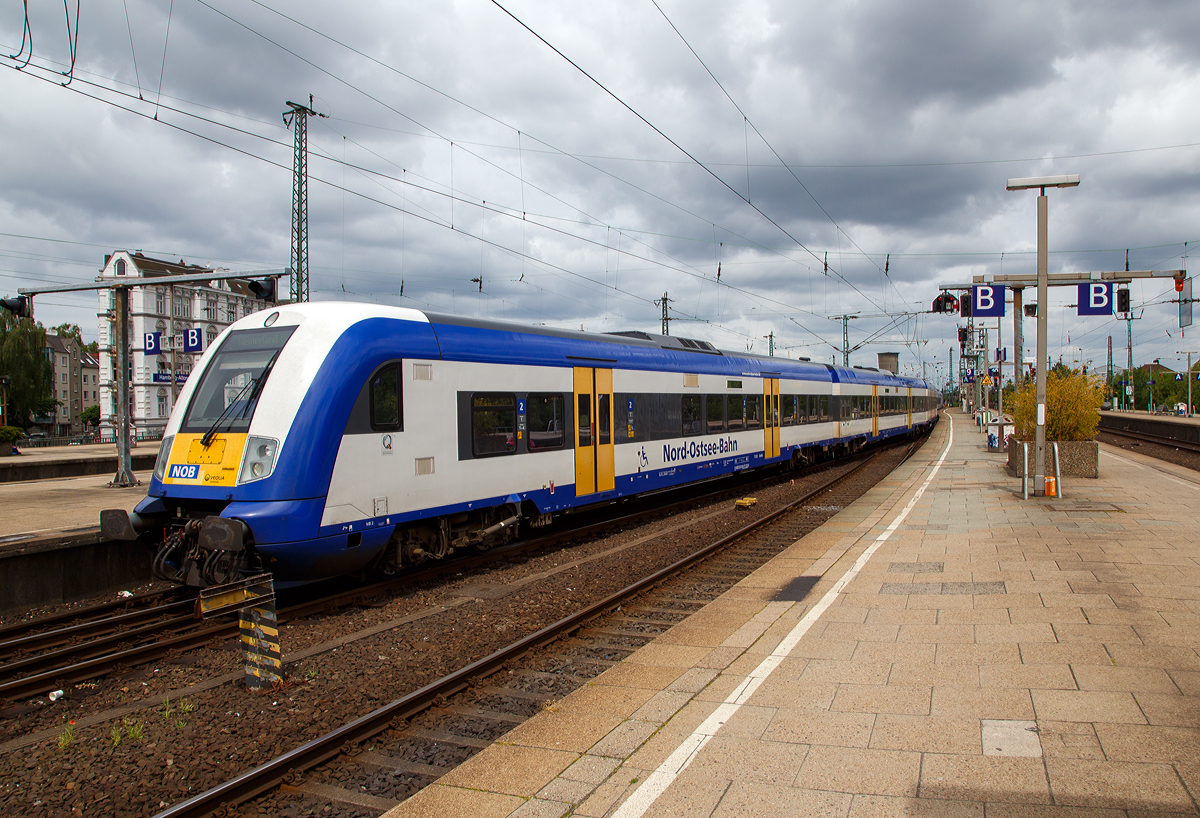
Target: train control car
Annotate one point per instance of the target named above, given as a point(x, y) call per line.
point(317, 440)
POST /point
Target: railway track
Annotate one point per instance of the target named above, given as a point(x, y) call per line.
point(1149, 438)
point(418, 737)
point(58, 652)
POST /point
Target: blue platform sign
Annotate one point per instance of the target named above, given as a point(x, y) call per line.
point(969, 375)
point(1095, 298)
point(153, 343)
point(193, 340)
point(987, 300)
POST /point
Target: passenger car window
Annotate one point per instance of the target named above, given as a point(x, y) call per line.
point(736, 413)
point(493, 423)
point(385, 399)
point(693, 423)
point(546, 430)
point(754, 411)
point(715, 408)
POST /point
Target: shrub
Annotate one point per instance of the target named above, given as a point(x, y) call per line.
point(1072, 408)
point(10, 434)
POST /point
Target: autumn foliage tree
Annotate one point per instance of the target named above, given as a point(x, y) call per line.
point(1072, 407)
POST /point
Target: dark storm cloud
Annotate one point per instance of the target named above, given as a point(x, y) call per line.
point(864, 100)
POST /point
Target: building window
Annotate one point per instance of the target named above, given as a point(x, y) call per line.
point(160, 301)
point(64, 377)
point(210, 309)
point(230, 310)
point(162, 403)
point(183, 306)
point(210, 334)
point(120, 266)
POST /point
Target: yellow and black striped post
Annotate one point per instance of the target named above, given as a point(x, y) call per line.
point(260, 645)
point(254, 599)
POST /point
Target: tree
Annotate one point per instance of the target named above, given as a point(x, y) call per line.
point(23, 359)
point(73, 331)
point(90, 416)
point(1072, 407)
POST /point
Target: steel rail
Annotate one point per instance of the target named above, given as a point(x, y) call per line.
point(101, 611)
point(101, 627)
point(1151, 438)
point(220, 799)
point(48, 680)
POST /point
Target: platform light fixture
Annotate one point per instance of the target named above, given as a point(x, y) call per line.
point(1041, 183)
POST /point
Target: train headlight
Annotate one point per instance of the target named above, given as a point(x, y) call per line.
point(259, 460)
point(164, 454)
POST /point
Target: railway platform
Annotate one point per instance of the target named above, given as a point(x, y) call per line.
point(939, 647)
point(50, 547)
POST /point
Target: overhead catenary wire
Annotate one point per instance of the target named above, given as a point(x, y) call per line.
point(681, 149)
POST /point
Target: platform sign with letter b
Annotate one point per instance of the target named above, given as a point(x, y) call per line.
point(153, 343)
point(988, 300)
point(1095, 298)
point(193, 340)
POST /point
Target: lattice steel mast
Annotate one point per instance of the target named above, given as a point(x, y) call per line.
point(298, 115)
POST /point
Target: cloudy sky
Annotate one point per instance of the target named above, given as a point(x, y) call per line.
point(759, 139)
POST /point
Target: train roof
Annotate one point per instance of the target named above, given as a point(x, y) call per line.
point(463, 338)
point(460, 338)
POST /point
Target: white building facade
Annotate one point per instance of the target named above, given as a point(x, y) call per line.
point(170, 310)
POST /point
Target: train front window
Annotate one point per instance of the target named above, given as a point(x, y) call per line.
point(231, 383)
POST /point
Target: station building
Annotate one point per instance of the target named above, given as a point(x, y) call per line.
point(171, 310)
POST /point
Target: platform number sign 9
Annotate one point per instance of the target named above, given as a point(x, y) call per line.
point(193, 340)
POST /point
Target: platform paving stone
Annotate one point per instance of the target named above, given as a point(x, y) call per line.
point(996, 658)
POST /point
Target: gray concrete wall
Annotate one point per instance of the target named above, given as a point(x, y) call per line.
point(14, 469)
point(1080, 458)
point(68, 570)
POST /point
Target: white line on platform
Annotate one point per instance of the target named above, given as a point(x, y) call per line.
point(657, 782)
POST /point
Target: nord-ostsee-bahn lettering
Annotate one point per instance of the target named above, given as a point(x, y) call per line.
point(698, 448)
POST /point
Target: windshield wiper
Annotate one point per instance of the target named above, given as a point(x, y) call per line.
point(258, 383)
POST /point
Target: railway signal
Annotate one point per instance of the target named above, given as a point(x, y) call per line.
point(18, 306)
point(946, 302)
point(1123, 300)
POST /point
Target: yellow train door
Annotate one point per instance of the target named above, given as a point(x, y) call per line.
point(910, 407)
point(875, 410)
point(771, 419)
point(595, 468)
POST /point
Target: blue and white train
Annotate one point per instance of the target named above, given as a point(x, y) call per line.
point(317, 440)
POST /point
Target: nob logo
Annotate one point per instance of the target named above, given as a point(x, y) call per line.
point(181, 471)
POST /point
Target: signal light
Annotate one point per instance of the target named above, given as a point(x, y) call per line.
point(964, 308)
point(939, 303)
point(951, 302)
point(264, 289)
point(1123, 300)
point(18, 306)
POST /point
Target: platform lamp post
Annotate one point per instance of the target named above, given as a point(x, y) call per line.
point(1041, 183)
